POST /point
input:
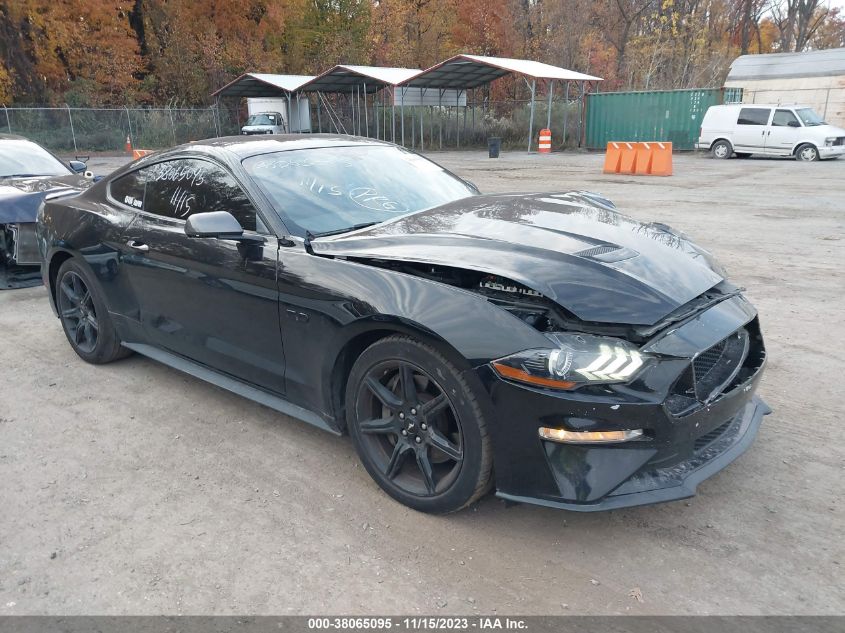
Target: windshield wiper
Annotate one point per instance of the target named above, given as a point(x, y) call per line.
point(23, 175)
point(354, 227)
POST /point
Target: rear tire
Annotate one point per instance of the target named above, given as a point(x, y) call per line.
point(85, 319)
point(807, 153)
point(721, 150)
point(417, 426)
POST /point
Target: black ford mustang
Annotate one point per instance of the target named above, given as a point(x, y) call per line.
point(542, 343)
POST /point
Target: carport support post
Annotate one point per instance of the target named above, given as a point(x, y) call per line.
point(457, 118)
point(319, 115)
point(402, 112)
point(72, 133)
point(531, 116)
point(366, 115)
point(549, 113)
point(581, 113)
point(565, 111)
point(393, 114)
point(440, 114)
point(422, 119)
point(289, 117)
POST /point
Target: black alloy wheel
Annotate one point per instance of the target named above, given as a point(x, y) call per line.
point(424, 447)
point(77, 311)
point(85, 319)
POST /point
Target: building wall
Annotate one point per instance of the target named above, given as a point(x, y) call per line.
point(826, 95)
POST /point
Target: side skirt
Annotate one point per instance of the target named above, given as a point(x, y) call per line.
point(231, 384)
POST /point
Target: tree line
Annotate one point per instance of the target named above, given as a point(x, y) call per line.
point(106, 52)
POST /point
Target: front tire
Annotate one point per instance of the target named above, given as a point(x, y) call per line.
point(721, 150)
point(417, 426)
point(85, 319)
point(807, 153)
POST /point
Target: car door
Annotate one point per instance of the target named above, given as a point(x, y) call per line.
point(752, 125)
point(783, 132)
point(211, 300)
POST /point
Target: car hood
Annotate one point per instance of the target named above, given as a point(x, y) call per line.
point(827, 130)
point(21, 197)
point(574, 248)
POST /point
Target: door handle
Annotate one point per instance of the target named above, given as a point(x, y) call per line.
point(138, 245)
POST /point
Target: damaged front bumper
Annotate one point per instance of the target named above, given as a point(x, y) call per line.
point(683, 441)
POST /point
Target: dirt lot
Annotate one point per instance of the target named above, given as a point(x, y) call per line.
point(134, 489)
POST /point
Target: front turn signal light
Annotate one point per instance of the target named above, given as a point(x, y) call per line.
point(589, 437)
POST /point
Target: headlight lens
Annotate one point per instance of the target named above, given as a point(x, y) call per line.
point(576, 360)
point(830, 141)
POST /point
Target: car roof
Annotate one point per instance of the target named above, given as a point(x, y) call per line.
point(761, 105)
point(246, 146)
point(14, 137)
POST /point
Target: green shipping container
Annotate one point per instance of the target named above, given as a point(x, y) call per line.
point(663, 115)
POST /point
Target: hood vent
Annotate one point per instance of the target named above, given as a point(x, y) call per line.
point(607, 253)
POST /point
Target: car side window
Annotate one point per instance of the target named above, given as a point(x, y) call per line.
point(129, 189)
point(753, 116)
point(179, 188)
point(785, 118)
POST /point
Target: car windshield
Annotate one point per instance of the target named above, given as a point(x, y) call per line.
point(263, 119)
point(809, 117)
point(340, 188)
point(25, 158)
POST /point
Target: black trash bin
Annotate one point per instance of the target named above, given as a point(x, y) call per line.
point(494, 144)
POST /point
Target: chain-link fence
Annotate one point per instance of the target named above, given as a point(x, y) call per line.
point(449, 127)
point(87, 130)
point(83, 130)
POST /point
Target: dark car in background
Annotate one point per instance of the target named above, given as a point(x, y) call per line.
point(28, 174)
point(542, 344)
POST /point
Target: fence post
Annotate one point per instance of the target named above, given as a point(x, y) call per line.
point(72, 133)
point(129, 122)
point(172, 125)
point(8, 123)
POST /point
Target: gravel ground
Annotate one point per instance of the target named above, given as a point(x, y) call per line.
point(133, 489)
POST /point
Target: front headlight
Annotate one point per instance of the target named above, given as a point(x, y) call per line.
point(577, 360)
point(830, 141)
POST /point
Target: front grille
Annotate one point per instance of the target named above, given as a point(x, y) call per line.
point(714, 371)
point(840, 140)
point(714, 368)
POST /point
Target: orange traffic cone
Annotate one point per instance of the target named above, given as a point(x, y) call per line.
point(128, 145)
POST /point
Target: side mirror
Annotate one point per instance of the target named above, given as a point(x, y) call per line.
point(219, 224)
point(794, 124)
point(77, 166)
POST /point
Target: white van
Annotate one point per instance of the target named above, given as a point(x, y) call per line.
point(777, 130)
point(264, 123)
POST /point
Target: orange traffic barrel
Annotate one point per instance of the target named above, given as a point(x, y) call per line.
point(545, 142)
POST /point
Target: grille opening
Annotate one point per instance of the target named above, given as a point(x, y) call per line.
point(711, 436)
point(718, 369)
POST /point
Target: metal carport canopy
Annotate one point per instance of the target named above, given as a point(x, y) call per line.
point(472, 71)
point(262, 85)
point(342, 78)
point(463, 72)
